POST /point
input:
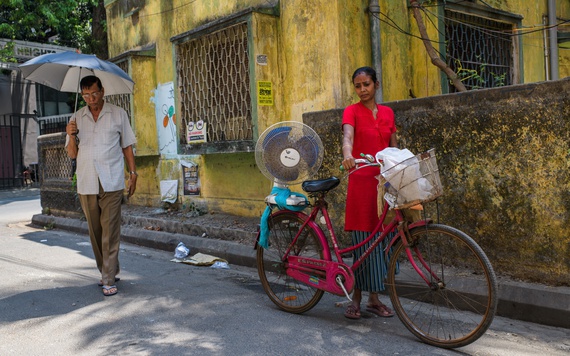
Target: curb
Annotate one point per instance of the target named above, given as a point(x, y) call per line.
point(517, 300)
point(233, 252)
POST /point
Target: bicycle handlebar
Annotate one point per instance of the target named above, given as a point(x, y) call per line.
point(368, 161)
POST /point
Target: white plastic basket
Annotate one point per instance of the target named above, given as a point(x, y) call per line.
point(413, 181)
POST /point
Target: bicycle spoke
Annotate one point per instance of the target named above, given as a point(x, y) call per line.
point(286, 292)
point(458, 304)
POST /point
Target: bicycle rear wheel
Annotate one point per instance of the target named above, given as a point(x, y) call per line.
point(459, 303)
point(287, 293)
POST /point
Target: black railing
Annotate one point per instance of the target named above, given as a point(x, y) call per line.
point(53, 124)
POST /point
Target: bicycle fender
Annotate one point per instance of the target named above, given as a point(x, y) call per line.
point(420, 223)
point(410, 227)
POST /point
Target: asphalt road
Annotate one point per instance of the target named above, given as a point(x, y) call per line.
point(50, 305)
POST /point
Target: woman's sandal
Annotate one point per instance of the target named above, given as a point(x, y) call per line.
point(380, 310)
point(110, 290)
point(352, 312)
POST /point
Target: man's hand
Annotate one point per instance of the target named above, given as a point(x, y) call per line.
point(132, 185)
point(71, 128)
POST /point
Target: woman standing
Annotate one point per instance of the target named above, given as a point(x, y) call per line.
point(367, 128)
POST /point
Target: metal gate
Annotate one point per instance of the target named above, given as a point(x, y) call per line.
point(10, 152)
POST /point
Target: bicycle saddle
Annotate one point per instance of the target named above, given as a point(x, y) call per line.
point(320, 185)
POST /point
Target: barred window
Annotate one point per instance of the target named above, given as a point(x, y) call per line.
point(214, 84)
point(122, 100)
point(480, 50)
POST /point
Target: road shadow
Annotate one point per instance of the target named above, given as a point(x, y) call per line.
point(48, 302)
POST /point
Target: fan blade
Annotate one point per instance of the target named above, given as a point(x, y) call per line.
point(308, 149)
point(273, 144)
point(276, 136)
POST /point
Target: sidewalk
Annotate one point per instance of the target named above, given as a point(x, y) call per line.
point(19, 193)
point(233, 239)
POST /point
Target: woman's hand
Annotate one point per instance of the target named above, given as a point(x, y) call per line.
point(348, 163)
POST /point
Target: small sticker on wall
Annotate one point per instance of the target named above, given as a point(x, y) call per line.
point(196, 132)
point(264, 93)
point(261, 59)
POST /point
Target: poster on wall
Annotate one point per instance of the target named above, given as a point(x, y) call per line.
point(165, 118)
point(169, 190)
point(196, 132)
point(190, 178)
point(264, 93)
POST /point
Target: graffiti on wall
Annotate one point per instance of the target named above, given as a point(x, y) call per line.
point(165, 118)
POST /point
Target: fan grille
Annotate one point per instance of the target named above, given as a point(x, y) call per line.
point(289, 152)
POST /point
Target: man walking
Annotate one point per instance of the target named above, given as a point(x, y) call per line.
point(99, 135)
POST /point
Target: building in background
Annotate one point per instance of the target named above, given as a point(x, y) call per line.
point(26, 111)
point(211, 76)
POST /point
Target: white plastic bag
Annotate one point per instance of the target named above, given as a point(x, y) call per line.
point(181, 251)
point(392, 156)
point(401, 170)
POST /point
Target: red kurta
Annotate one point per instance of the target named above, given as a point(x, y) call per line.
point(370, 136)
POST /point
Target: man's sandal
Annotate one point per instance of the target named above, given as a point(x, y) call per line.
point(100, 283)
point(110, 290)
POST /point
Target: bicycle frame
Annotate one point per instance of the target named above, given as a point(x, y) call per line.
point(338, 276)
point(440, 282)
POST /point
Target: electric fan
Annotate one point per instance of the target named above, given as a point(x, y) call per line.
point(289, 152)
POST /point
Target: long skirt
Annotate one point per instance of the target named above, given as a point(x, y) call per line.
point(371, 274)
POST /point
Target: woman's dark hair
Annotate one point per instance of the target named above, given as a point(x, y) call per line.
point(89, 80)
point(366, 70)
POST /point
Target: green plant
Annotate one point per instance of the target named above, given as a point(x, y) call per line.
point(478, 75)
point(193, 209)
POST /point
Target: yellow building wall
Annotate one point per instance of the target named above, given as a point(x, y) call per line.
point(143, 72)
point(312, 47)
point(407, 66)
point(265, 35)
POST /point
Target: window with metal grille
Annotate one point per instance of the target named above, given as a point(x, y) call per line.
point(479, 50)
point(122, 100)
point(214, 84)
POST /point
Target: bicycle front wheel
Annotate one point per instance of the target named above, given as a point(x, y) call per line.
point(286, 292)
point(456, 302)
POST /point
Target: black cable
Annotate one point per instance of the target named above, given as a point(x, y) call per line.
point(165, 11)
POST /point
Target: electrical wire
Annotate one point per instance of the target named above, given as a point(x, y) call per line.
point(170, 10)
point(500, 35)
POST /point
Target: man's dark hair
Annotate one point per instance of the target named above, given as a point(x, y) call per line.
point(89, 80)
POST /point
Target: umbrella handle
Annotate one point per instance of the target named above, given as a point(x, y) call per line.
point(76, 95)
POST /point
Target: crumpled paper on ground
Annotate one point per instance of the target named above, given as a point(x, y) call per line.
point(200, 259)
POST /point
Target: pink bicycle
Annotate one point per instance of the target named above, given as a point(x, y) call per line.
point(441, 284)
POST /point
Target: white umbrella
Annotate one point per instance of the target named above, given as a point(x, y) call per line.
point(63, 71)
